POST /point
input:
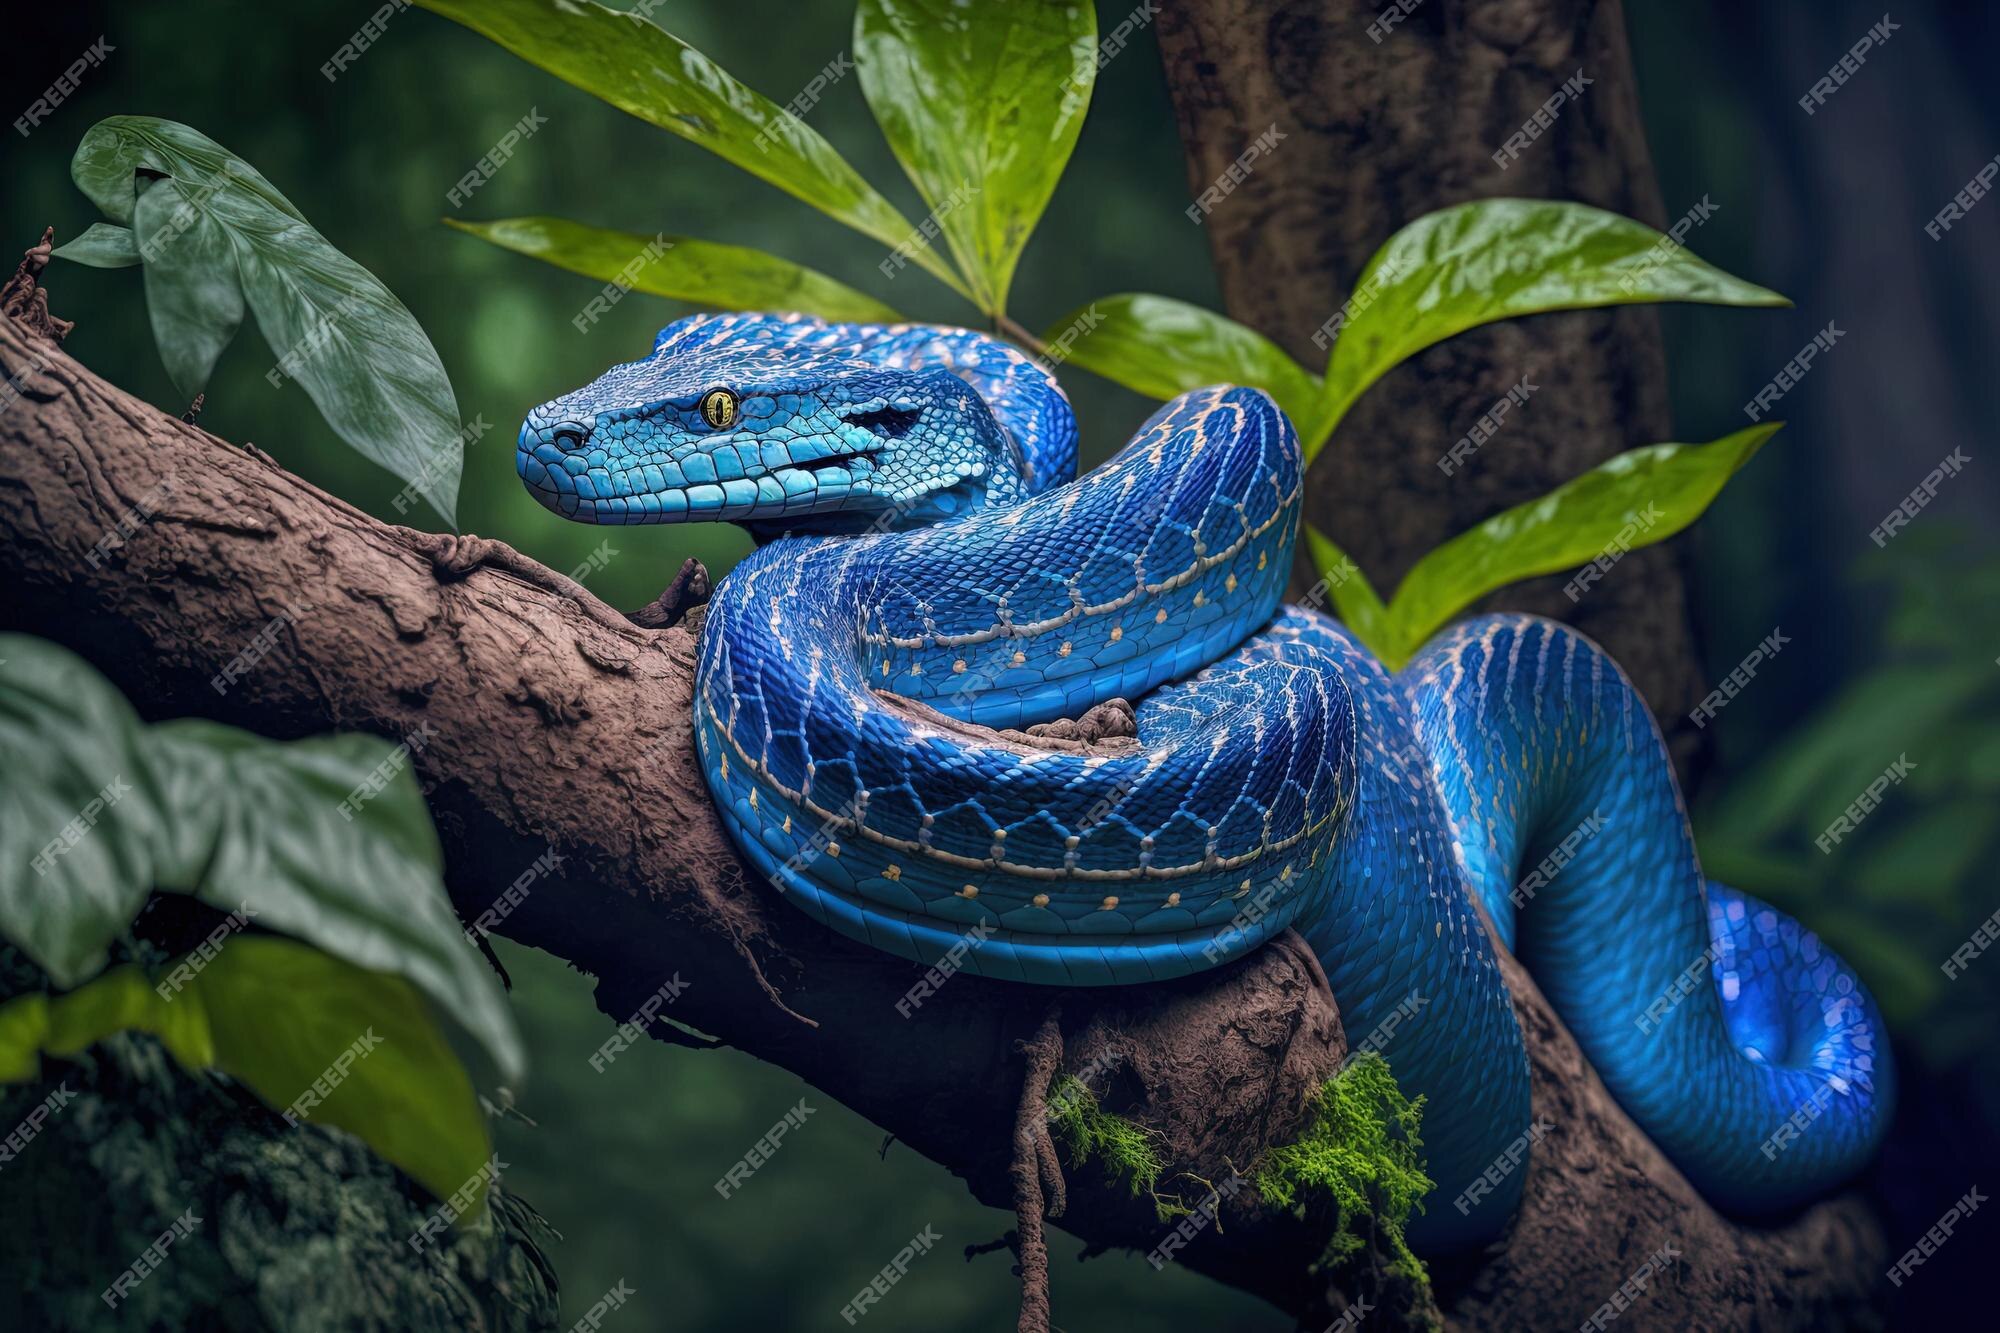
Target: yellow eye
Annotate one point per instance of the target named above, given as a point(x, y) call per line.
point(718, 408)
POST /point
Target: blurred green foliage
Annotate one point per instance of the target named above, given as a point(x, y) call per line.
point(1913, 880)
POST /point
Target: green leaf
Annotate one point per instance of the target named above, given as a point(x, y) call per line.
point(77, 829)
point(1494, 259)
point(1639, 497)
point(281, 828)
point(193, 294)
point(1162, 347)
point(726, 277)
point(982, 105)
point(102, 245)
point(290, 1023)
point(635, 66)
point(1354, 597)
point(325, 839)
point(335, 328)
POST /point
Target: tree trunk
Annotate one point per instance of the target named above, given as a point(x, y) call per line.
point(554, 722)
point(1376, 134)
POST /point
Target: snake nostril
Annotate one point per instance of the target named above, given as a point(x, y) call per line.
point(569, 436)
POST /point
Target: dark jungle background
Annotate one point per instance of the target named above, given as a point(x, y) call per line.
point(1890, 651)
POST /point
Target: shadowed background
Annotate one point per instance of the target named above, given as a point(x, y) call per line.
point(1892, 651)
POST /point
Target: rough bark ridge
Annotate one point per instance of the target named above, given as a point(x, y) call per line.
point(1376, 134)
point(555, 722)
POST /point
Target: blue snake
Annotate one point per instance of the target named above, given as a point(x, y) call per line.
point(933, 582)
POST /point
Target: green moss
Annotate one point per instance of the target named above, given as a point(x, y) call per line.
point(1362, 1153)
point(1129, 1151)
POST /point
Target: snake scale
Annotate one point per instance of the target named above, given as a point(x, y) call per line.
point(932, 582)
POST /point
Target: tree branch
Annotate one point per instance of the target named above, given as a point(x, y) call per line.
point(160, 552)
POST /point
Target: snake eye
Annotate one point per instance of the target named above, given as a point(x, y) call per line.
point(718, 407)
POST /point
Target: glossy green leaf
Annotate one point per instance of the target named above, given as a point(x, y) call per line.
point(981, 103)
point(626, 60)
point(193, 294)
point(308, 1033)
point(1162, 347)
point(334, 327)
point(325, 839)
point(727, 277)
point(101, 245)
point(1354, 597)
point(1640, 497)
point(1497, 258)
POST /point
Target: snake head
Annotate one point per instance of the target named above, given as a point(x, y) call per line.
point(791, 440)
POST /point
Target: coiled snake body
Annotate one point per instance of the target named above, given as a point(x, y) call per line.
point(862, 692)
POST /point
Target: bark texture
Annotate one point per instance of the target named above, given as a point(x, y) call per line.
point(1376, 134)
point(555, 722)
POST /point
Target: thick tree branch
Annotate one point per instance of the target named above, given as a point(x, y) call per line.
point(161, 552)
